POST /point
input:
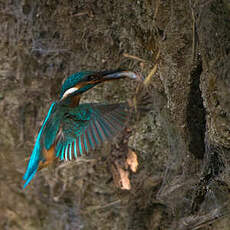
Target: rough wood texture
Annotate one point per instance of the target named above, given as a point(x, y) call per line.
point(182, 143)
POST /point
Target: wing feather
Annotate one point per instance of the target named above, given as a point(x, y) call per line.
point(62, 153)
point(75, 149)
point(66, 152)
point(105, 128)
point(95, 133)
point(80, 146)
point(100, 131)
point(88, 126)
point(109, 122)
point(91, 138)
point(86, 138)
point(70, 151)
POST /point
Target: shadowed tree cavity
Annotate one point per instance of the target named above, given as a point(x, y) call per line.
point(196, 113)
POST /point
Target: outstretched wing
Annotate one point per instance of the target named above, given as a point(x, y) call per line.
point(87, 126)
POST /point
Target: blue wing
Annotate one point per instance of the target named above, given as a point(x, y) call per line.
point(37, 151)
point(87, 126)
point(75, 131)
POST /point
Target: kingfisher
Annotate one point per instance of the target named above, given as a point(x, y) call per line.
point(71, 129)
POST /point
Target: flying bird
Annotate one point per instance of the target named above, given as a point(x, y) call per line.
point(71, 129)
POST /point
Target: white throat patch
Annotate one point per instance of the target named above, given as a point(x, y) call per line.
point(69, 91)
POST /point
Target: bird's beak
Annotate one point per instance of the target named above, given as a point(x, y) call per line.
point(122, 74)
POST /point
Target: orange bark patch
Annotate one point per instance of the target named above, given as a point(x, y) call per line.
point(132, 160)
point(120, 170)
point(124, 179)
point(120, 177)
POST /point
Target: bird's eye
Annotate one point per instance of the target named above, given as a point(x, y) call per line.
point(93, 77)
point(90, 78)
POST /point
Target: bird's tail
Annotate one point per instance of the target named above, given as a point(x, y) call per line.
point(36, 154)
point(32, 165)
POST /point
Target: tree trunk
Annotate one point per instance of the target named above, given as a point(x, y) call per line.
point(182, 142)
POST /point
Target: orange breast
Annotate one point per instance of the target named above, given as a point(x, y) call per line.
point(49, 156)
point(75, 101)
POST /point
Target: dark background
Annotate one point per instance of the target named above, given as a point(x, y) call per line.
point(182, 143)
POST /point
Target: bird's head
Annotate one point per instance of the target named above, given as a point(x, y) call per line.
point(80, 82)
